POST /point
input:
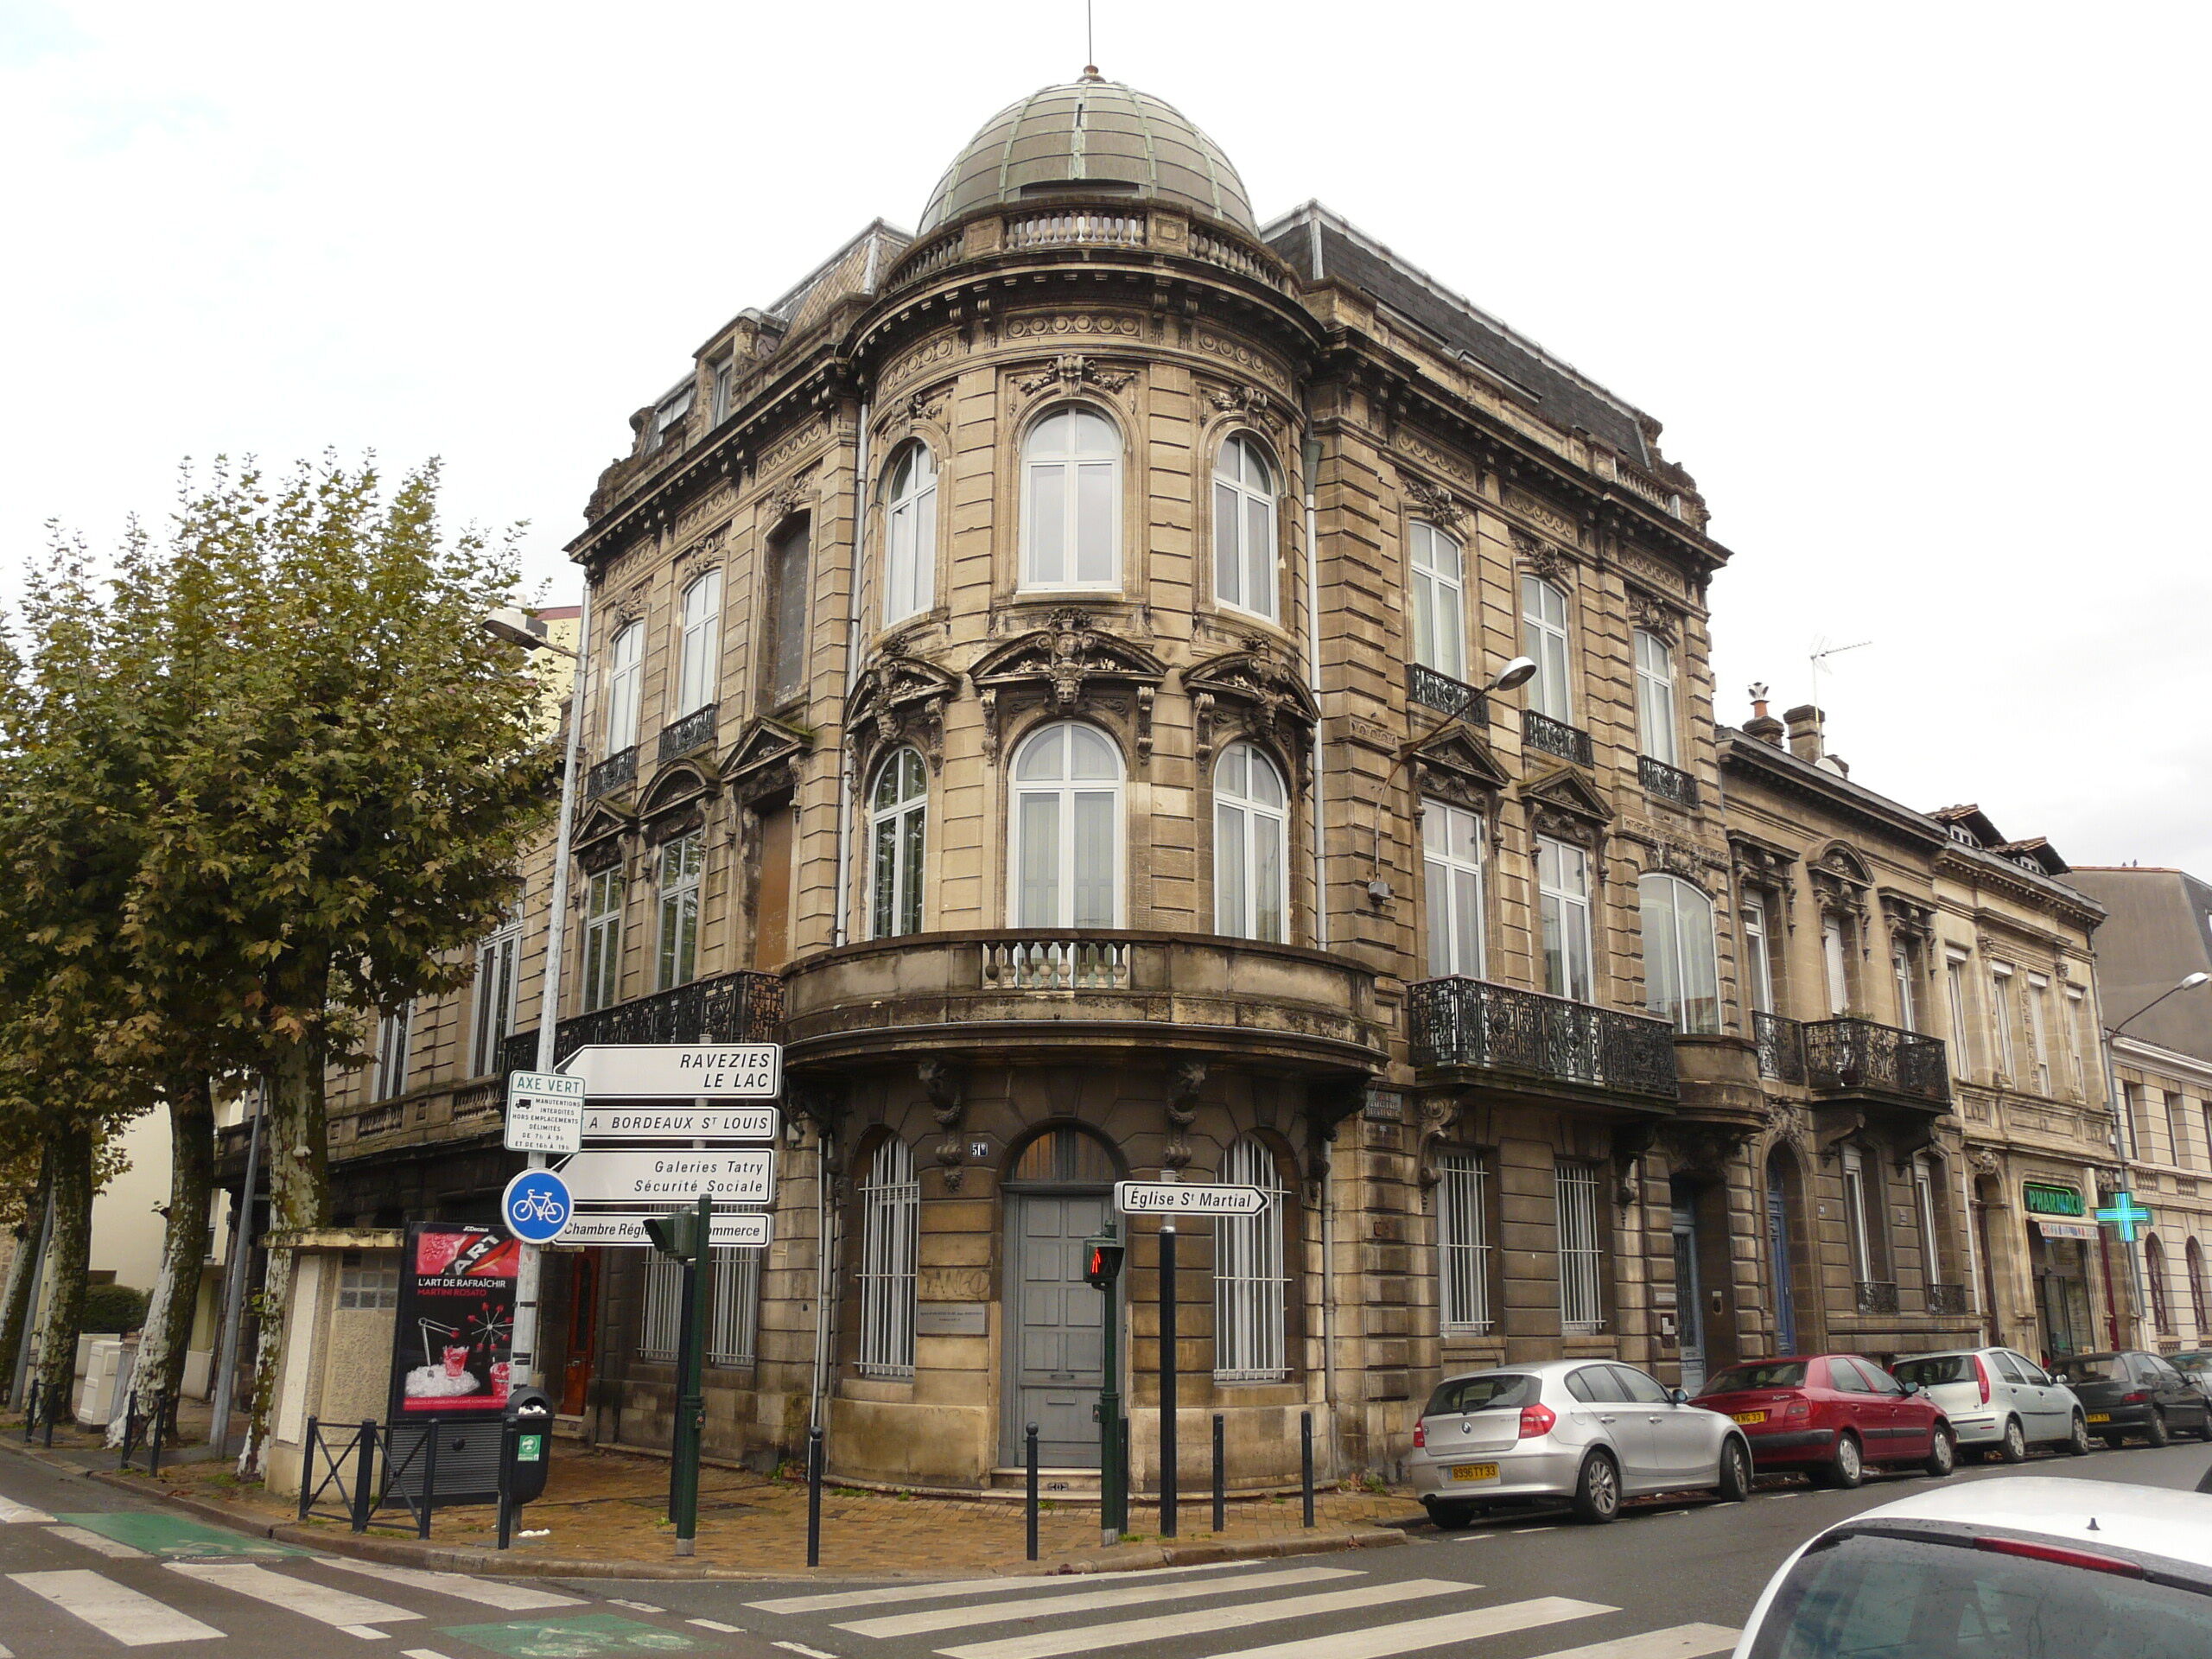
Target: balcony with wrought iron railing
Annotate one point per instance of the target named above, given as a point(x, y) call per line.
point(1474, 1024)
point(1859, 1057)
point(1946, 1299)
point(1781, 1044)
point(1434, 689)
point(1556, 737)
point(1874, 1295)
point(739, 1007)
point(618, 771)
point(688, 734)
point(1667, 783)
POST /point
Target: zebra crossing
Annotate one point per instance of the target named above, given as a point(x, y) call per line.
point(1361, 1617)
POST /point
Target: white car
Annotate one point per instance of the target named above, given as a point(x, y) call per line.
point(2026, 1567)
point(1999, 1400)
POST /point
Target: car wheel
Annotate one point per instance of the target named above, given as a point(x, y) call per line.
point(2204, 1429)
point(2015, 1447)
point(1734, 1484)
point(2077, 1437)
point(1943, 1455)
point(1847, 1470)
point(1450, 1518)
point(1597, 1490)
point(2158, 1434)
point(2114, 1442)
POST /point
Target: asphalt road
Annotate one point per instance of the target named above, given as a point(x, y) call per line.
point(87, 1570)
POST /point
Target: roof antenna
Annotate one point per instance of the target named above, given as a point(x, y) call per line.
point(1090, 46)
point(1821, 651)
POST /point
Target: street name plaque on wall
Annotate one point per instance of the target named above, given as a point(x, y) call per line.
point(952, 1318)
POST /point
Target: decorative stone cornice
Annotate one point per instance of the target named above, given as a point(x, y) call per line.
point(1074, 371)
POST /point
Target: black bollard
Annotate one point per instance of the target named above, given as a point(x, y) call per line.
point(1220, 1477)
point(1306, 1460)
point(505, 1526)
point(364, 1475)
point(129, 1431)
point(1168, 1449)
point(307, 1481)
point(429, 1475)
point(814, 1496)
point(1029, 1451)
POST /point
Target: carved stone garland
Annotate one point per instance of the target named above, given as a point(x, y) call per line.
point(899, 698)
point(1250, 693)
point(948, 1104)
point(1437, 504)
point(1074, 371)
point(1075, 667)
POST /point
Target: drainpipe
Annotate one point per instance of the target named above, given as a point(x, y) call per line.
point(1328, 1315)
point(1312, 459)
point(822, 1252)
point(839, 931)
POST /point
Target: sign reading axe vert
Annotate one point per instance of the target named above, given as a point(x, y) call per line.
point(678, 1071)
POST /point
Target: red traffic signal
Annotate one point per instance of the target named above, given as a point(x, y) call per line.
point(1102, 1261)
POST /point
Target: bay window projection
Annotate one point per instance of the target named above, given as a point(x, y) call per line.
point(602, 966)
point(626, 666)
point(1251, 1284)
point(1681, 976)
point(1072, 490)
point(683, 861)
point(498, 973)
point(910, 536)
point(1563, 904)
point(891, 1210)
point(1067, 828)
point(699, 652)
point(1655, 697)
point(1244, 529)
point(1463, 1243)
point(898, 822)
point(1544, 639)
point(1759, 963)
point(1452, 878)
point(1439, 575)
point(1581, 1259)
point(1251, 845)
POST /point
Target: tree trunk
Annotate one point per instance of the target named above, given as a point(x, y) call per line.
point(22, 1282)
point(299, 1201)
point(66, 1253)
point(168, 1330)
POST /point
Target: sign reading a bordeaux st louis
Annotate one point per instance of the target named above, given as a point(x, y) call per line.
point(678, 1071)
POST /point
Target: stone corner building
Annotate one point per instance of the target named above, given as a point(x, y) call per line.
point(1039, 673)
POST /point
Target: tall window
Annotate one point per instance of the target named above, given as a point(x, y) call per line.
point(2193, 1260)
point(393, 1032)
point(731, 1339)
point(1463, 1243)
point(910, 536)
point(1655, 696)
point(1544, 639)
point(1854, 1214)
point(2178, 1126)
point(1581, 1261)
point(2154, 1273)
point(498, 969)
point(625, 668)
point(1681, 980)
point(1251, 845)
point(682, 862)
point(2077, 1014)
point(2000, 1016)
point(1924, 1198)
point(1071, 482)
point(1244, 529)
point(1451, 874)
point(699, 655)
point(1439, 601)
point(1758, 961)
point(603, 938)
point(1835, 960)
point(898, 822)
point(1904, 974)
point(1954, 992)
point(724, 373)
point(1251, 1285)
point(2039, 1030)
point(661, 1321)
point(1067, 828)
point(789, 563)
point(891, 1212)
point(1563, 895)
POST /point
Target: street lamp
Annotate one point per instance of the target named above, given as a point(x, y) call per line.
point(518, 627)
point(1514, 674)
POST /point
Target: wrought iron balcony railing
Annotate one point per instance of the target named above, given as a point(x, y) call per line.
point(1846, 1056)
point(696, 731)
point(1667, 783)
point(1439, 692)
point(1556, 737)
point(1471, 1022)
point(1946, 1299)
point(739, 1008)
point(1782, 1047)
point(1875, 1295)
point(618, 771)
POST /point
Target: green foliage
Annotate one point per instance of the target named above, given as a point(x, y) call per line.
point(112, 1307)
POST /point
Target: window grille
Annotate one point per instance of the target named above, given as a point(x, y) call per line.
point(1463, 1243)
point(1251, 1285)
point(1581, 1282)
point(735, 1326)
point(891, 1210)
point(663, 1308)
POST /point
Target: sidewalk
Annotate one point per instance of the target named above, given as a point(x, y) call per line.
point(604, 1515)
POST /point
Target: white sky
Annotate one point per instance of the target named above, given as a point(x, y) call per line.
point(1917, 288)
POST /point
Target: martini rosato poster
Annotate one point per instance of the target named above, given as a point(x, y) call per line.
point(455, 1337)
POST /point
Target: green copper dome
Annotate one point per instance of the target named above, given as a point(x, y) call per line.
point(1091, 136)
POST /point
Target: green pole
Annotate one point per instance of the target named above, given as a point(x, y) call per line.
point(1113, 1507)
point(691, 1402)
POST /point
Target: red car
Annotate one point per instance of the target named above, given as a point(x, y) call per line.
point(1831, 1415)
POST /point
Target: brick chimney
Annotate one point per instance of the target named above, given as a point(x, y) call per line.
point(1762, 725)
point(1804, 732)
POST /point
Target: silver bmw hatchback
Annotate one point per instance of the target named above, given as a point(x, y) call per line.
point(1592, 1432)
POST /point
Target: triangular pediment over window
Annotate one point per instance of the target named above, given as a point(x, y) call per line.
point(1566, 790)
point(764, 743)
point(1458, 754)
point(602, 821)
point(1067, 652)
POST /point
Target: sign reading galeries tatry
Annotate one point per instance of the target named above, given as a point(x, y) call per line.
point(681, 1122)
point(664, 1177)
point(678, 1071)
point(1175, 1198)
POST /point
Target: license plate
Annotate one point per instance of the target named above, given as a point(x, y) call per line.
point(1474, 1471)
point(2098, 1417)
point(1750, 1416)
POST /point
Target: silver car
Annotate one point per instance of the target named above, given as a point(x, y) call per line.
point(1999, 1400)
point(1592, 1432)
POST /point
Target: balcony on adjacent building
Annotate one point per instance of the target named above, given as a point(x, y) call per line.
point(1556, 737)
point(688, 735)
point(1667, 783)
point(1946, 1299)
point(739, 1008)
point(1472, 1024)
point(1782, 1046)
point(1436, 690)
point(618, 771)
point(1875, 1296)
point(1857, 1057)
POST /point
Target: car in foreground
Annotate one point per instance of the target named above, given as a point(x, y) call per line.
point(2196, 1366)
point(2132, 1392)
point(1831, 1416)
point(1999, 1400)
point(1592, 1432)
point(2022, 1567)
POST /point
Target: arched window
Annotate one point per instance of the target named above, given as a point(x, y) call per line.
point(625, 662)
point(698, 658)
point(910, 535)
point(1439, 601)
point(1451, 874)
point(1251, 845)
point(897, 815)
point(1071, 486)
point(1244, 529)
point(890, 1225)
point(1655, 696)
point(1067, 828)
point(1252, 1287)
point(2154, 1271)
point(1544, 639)
point(2193, 1259)
point(1680, 980)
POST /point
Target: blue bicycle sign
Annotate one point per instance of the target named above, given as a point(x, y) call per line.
point(536, 1206)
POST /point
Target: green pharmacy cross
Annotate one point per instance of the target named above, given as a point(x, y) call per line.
point(2125, 1215)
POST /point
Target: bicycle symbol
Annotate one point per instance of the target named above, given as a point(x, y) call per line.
point(541, 1207)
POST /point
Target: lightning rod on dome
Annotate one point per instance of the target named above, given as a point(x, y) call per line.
point(1089, 45)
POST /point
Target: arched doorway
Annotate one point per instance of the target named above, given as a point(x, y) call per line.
point(1781, 1183)
point(1057, 1192)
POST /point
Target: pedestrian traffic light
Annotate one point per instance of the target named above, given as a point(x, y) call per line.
point(676, 1234)
point(1102, 1261)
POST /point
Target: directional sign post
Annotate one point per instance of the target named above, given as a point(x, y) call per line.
point(671, 1121)
point(647, 1178)
point(738, 1230)
point(679, 1071)
point(1175, 1198)
point(545, 1112)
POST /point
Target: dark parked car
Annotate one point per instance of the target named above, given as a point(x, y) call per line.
point(1831, 1415)
point(2134, 1392)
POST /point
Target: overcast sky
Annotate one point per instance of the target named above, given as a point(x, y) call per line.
point(1918, 290)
